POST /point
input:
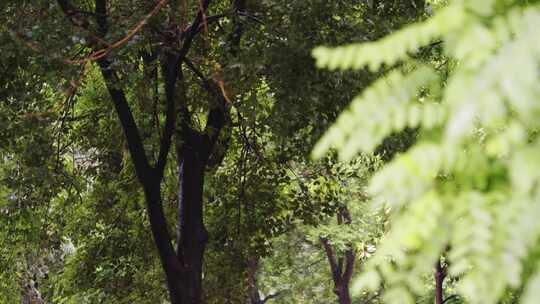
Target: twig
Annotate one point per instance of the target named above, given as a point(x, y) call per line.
point(105, 51)
point(450, 297)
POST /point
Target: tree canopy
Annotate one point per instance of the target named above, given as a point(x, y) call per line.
point(176, 151)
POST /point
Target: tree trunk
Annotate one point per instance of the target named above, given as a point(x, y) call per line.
point(343, 294)
point(169, 262)
point(342, 267)
point(191, 233)
point(253, 288)
point(439, 279)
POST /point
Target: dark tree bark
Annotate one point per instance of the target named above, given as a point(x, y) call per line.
point(192, 236)
point(253, 287)
point(440, 274)
point(342, 267)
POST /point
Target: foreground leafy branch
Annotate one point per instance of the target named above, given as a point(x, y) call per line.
point(470, 182)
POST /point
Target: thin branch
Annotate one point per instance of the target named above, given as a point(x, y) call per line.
point(171, 73)
point(189, 33)
point(218, 116)
point(125, 115)
point(131, 131)
point(371, 298)
point(207, 85)
point(272, 296)
point(96, 55)
point(79, 19)
point(349, 253)
point(207, 20)
point(236, 34)
point(75, 16)
point(450, 297)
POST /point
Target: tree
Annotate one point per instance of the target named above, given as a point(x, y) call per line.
point(467, 186)
point(341, 241)
point(183, 266)
point(163, 52)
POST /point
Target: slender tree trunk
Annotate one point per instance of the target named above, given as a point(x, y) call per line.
point(169, 262)
point(439, 279)
point(341, 267)
point(253, 288)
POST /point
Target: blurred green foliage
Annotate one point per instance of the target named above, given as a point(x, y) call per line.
point(467, 189)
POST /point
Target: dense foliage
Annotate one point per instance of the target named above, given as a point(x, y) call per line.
point(175, 151)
